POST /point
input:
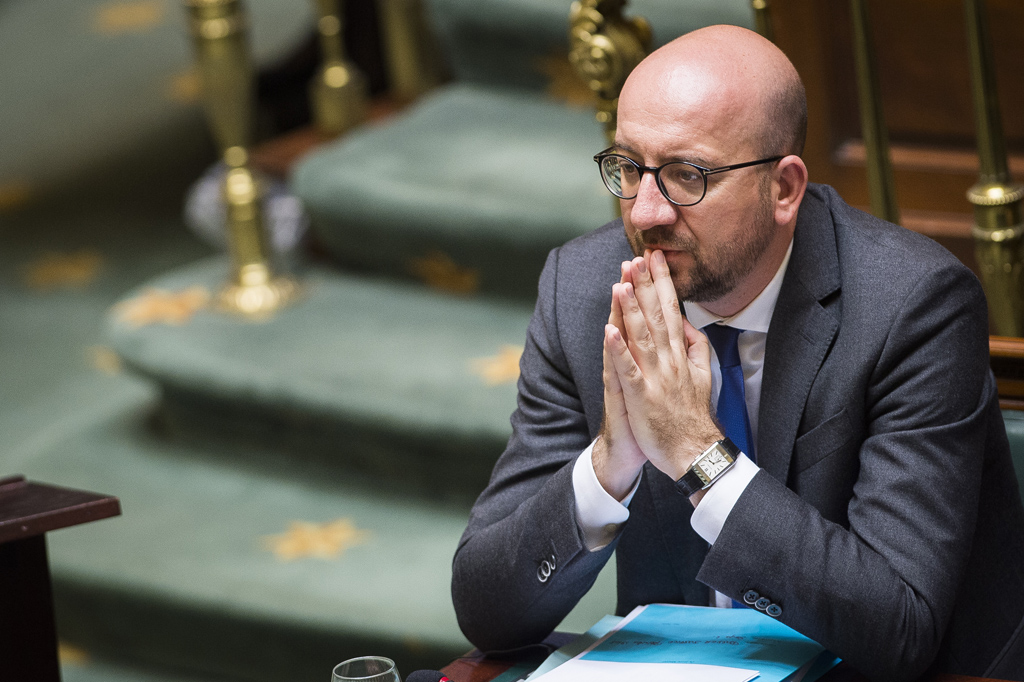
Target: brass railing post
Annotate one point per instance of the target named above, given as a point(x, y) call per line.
point(604, 47)
point(998, 228)
point(763, 19)
point(339, 93)
point(218, 29)
point(881, 183)
point(412, 56)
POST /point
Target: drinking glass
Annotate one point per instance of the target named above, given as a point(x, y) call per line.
point(366, 669)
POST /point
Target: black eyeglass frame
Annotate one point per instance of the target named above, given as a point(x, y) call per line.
point(704, 173)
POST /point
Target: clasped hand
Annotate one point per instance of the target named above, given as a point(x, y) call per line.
point(657, 380)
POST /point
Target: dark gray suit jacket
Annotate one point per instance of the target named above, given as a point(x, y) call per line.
point(886, 522)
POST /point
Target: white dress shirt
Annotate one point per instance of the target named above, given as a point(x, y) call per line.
point(600, 516)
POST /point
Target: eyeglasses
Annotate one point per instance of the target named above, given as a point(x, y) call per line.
point(682, 183)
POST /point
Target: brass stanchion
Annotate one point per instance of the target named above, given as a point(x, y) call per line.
point(763, 19)
point(604, 47)
point(339, 93)
point(218, 29)
point(881, 183)
point(412, 56)
point(998, 228)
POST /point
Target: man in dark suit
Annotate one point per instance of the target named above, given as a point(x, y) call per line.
point(819, 438)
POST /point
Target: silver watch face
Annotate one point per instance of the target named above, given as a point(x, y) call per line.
point(713, 463)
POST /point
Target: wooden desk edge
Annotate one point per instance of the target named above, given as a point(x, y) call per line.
point(28, 509)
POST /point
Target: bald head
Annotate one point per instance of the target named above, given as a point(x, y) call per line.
point(729, 75)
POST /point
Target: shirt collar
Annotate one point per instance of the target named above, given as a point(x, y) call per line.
point(756, 316)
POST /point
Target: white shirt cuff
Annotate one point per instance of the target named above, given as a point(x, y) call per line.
point(599, 516)
point(709, 516)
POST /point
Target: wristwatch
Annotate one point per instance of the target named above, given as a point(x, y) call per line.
point(711, 464)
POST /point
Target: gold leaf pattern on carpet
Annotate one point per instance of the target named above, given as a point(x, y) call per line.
point(69, 654)
point(304, 539)
point(115, 18)
point(438, 271)
point(14, 195)
point(105, 360)
point(154, 306)
point(502, 368)
point(54, 270)
point(185, 87)
point(564, 84)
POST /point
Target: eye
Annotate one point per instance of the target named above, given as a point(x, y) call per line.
point(628, 170)
point(681, 174)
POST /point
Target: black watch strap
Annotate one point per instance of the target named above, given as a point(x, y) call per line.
point(692, 481)
point(689, 483)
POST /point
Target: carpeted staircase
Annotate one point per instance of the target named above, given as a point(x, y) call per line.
point(492, 171)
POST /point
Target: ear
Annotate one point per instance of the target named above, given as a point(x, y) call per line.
point(791, 176)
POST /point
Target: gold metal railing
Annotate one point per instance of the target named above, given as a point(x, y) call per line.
point(412, 56)
point(604, 47)
point(339, 93)
point(218, 29)
point(881, 183)
point(763, 18)
point(998, 228)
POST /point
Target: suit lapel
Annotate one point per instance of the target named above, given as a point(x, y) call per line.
point(800, 334)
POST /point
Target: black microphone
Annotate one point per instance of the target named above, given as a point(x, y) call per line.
point(428, 676)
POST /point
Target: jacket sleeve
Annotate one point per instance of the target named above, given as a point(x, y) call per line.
point(880, 592)
point(521, 565)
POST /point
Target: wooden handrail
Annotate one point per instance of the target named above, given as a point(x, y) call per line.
point(1006, 357)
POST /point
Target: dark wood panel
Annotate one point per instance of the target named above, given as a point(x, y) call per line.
point(921, 50)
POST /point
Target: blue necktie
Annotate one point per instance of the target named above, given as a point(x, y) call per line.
point(732, 403)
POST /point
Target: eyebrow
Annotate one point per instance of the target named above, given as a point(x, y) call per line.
point(698, 160)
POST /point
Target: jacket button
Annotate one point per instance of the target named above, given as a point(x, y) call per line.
point(544, 572)
point(762, 603)
point(551, 562)
point(774, 610)
point(750, 597)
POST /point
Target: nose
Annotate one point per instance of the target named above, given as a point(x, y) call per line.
point(650, 207)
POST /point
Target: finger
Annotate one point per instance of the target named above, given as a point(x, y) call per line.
point(698, 348)
point(625, 276)
point(615, 315)
point(641, 344)
point(650, 305)
point(627, 372)
point(614, 406)
point(666, 289)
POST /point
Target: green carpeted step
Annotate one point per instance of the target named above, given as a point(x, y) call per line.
point(505, 42)
point(485, 180)
point(391, 380)
point(206, 572)
point(185, 577)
